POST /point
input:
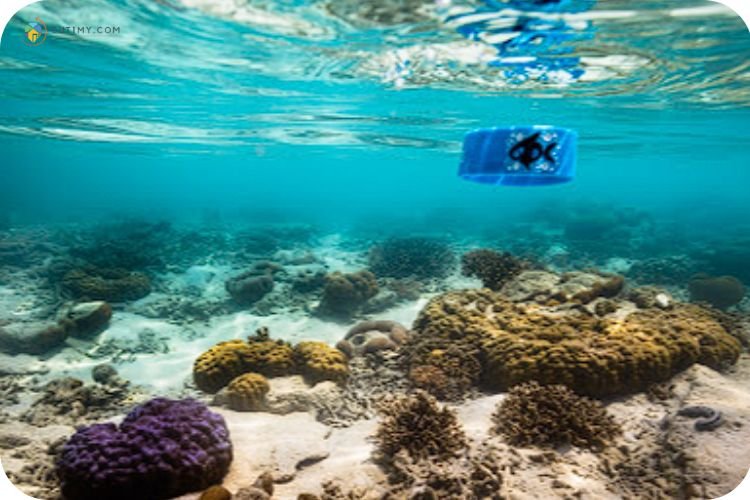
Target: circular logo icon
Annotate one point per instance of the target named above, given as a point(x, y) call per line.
point(36, 33)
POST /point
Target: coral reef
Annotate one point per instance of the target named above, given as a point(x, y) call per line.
point(446, 371)
point(162, 449)
point(493, 268)
point(418, 257)
point(721, 292)
point(516, 343)
point(109, 284)
point(247, 392)
point(248, 288)
point(216, 367)
point(552, 415)
point(317, 361)
point(373, 336)
point(418, 425)
point(670, 270)
point(576, 286)
point(227, 360)
point(344, 294)
point(309, 280)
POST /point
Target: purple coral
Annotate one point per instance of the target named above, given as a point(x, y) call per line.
point(163, 448)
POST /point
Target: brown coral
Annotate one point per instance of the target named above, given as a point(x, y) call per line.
point(344, 294)
point(318, 361)
point(552, 415)
point(418, 425)
point(446, 371)
point(721, 292)
point(112, 285)
point(493, 268)
point(516, 343)
point(247, 392)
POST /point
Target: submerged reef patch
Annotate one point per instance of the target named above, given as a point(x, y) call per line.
point(516, 343)
point(412, 257)
point(721, 291)
point(317, 361)
point(247, 392)
point(345, 294)
point(110, 284)
point(552, 415)
point(420, 426)
point(493, 268)
point(162, 449)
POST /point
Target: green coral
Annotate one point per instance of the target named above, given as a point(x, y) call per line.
point(112, 285)
point(516, 343)
point(553, 415)
point(317, 361)
point(247, 392)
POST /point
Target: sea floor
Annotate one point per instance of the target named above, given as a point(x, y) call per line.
point(152, 342)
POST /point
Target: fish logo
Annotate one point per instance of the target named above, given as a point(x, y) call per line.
point(530, 150)
point(36, 33)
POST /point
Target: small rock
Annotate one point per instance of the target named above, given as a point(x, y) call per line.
point(311, 460)
point(31, 337)
point(265, 482)
point(216, 493)
point(88, 318)
point(251, 493)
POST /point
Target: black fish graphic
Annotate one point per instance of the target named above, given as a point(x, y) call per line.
point(530, 150)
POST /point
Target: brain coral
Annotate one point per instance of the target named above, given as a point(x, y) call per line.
point(516, 343)
point(162, 449)
point(552, 415)
point(223, 362)
point(344, 294)
point(318, 362)
point(247, 392)
point(721, 292)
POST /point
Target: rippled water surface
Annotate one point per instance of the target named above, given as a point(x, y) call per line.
point(365, 103)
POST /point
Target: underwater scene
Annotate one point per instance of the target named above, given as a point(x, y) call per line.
point(238, 261)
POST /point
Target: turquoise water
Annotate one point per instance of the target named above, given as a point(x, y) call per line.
point(303, 110)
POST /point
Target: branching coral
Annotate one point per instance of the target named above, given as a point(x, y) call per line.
point(446, 371)
point(318, 362)
point(516, 343)
point(493, 268)
point(552, 415)
point(344, 294)
point(247, 392)
point(418, 425)
point(163, 449)
point(418, 257)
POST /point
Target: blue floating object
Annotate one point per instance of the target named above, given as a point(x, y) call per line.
point(536, 155)
point(544, 5)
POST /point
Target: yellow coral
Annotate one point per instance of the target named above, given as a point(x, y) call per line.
point(247, 392)
point(214, 368)
point(517, 343)
point(318, 361)
point(269, 357)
